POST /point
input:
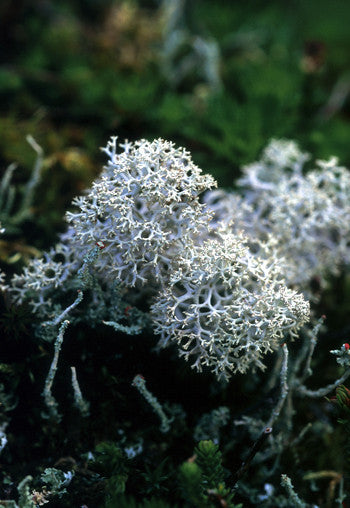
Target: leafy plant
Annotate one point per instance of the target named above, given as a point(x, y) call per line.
point(202, 479)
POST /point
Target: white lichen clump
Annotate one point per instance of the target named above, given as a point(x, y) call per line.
point(142, 232)
point(43, 282)
point(145, 207)
point(226, 307)
point(308, 214)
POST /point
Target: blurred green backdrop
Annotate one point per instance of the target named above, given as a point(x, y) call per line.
point(220, 78)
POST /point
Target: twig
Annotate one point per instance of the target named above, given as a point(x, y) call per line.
point(66, 311)
point(255, 448)
point(287, 484)
point(313, 341)
point(322, 392)
point(140, 383)
point(50, 401)
point(79, 400)
point(32, 183)
point(284, 388)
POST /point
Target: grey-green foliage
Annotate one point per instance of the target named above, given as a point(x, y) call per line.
point(8, 504)
point(55, 485)
point(25, 499)
point(56, 480)
point(202, 481)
